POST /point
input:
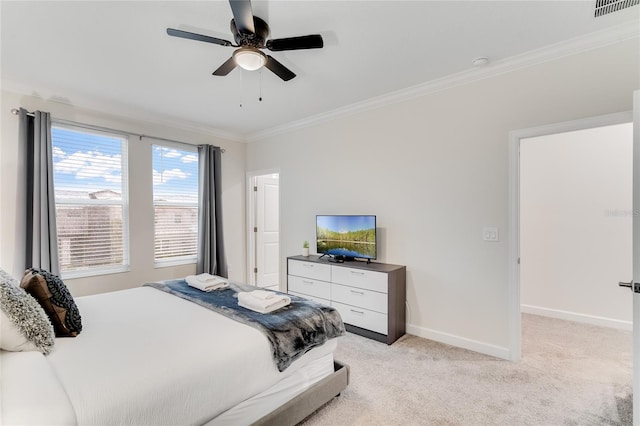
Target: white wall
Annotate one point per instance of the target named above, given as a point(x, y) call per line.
point(435, 171)
point(140, 198)
point(575, 224)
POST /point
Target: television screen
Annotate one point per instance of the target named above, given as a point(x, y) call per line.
point(349, 236)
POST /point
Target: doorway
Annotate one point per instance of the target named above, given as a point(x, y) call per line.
point(264, 229)
point(575, 240)
point(560, 237)
point(575, 224)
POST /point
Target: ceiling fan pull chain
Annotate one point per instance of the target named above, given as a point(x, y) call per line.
point(260, 98)
point(241, 87)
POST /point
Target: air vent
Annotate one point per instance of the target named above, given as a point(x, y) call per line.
point(604, 7)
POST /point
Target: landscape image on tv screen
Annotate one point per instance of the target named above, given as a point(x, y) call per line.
point(350, 236)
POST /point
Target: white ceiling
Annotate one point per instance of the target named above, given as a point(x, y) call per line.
point(118, 52)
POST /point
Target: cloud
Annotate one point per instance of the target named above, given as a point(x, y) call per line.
point(189, 158)
point(89, 165)
point(170, 153)
point(58, 152)
point(168, 175)
point(113, 178)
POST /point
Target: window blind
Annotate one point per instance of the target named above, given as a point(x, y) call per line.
point(175, 201)
point(90, 184)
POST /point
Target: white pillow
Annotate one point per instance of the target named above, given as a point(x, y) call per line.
point(24, 326)
point(10, 337)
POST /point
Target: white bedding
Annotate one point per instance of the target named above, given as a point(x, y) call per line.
point(148, 357)
point(26, 378)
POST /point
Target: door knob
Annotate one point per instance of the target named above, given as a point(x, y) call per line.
point(635, 287)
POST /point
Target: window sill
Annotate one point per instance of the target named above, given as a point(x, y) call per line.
point(174, 262)
point(84, 273)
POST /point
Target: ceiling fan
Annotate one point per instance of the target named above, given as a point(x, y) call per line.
point(250, 34)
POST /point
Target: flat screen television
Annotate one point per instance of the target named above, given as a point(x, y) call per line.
point(346, 236)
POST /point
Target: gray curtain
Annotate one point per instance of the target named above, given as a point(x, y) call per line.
point(211, 256)
point(41, 232)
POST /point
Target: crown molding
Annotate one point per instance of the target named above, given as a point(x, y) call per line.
point(570, 47)
point(591, 41)
point(117, 111)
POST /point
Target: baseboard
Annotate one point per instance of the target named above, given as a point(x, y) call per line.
point(460, 342)
point(573, 316)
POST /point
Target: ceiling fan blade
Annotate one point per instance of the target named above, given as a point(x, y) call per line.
point(243, 16)
point(225, 68)
point(295, 43)
point(278, 69)
point(199, 37)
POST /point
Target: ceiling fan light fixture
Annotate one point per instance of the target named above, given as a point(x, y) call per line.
point(249, 58)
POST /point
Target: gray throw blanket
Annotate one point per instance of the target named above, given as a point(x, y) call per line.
point(292, 330)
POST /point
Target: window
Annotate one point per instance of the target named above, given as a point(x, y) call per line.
point(90, 181)
point(175, 203)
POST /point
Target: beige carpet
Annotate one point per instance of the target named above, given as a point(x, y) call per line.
point(570, 374)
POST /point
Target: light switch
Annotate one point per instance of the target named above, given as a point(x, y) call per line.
point(490, 234)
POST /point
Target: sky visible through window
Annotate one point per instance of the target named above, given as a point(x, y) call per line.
point(86, 163)
point(175, 174)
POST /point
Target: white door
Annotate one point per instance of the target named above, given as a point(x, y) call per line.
point(267, 231)
point(636, 258)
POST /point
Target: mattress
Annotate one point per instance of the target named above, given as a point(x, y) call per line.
point(147, 357)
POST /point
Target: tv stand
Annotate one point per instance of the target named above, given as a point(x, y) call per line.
point(369, 296)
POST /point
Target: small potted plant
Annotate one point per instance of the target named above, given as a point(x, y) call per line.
point(305, 248)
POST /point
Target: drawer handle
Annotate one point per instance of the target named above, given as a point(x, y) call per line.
point(357, 273)
point(307, 282)
point(308, 265)
point(357, 312)
point(357, 292)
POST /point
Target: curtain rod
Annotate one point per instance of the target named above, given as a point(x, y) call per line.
point(16, 111)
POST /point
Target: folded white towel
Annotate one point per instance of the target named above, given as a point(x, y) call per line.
point(263, 294)
point(252, 301)
point(216, 283)
point(207, 278)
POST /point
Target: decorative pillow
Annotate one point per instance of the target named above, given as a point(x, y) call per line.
point(24, 325)
point(54, 297)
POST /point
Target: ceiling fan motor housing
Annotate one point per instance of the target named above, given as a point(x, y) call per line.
point(251, 39)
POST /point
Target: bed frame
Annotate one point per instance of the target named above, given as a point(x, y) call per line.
point(306, 403)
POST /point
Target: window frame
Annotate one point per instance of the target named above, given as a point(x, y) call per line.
point(174, 260)
point(124, 202)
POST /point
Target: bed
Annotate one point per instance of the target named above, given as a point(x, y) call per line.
point(147, 357)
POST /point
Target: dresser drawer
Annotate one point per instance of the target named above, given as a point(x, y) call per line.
point(316, 271)
point(315, 299)
point(359, 297)
point(309, 286)
point(370, 280)
point(362, 318)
